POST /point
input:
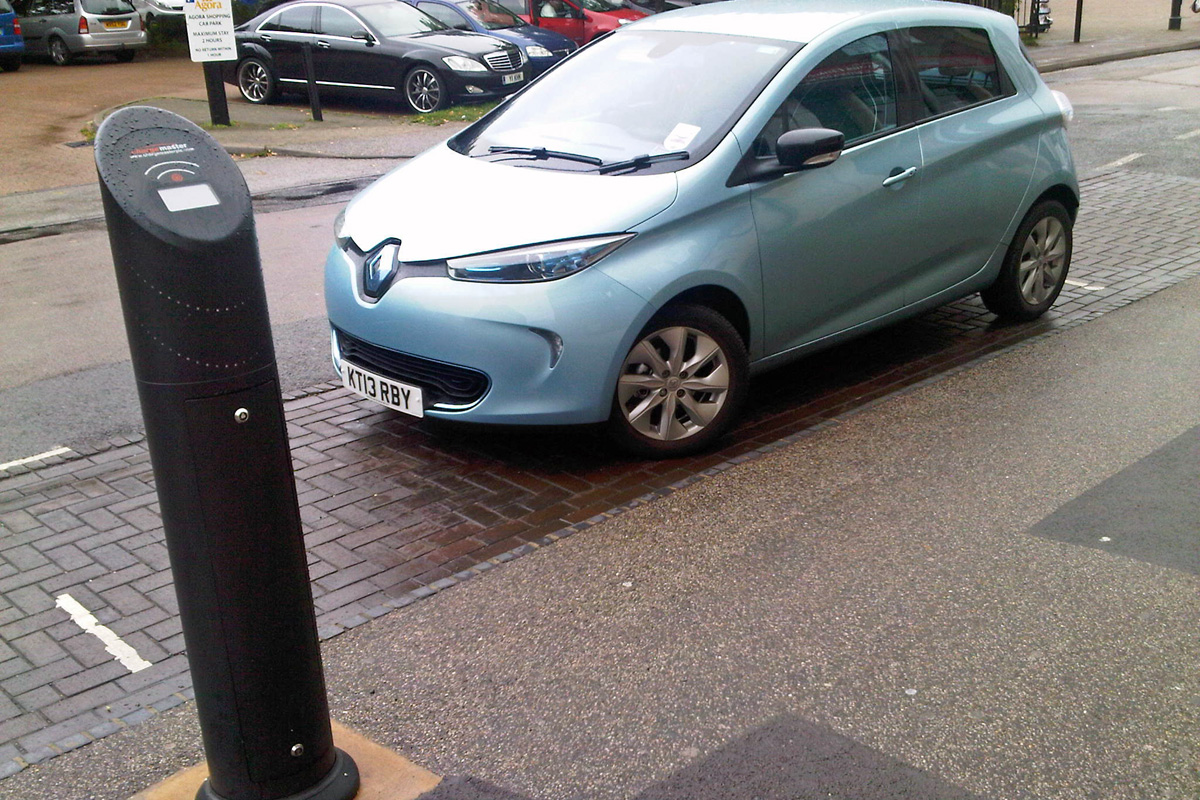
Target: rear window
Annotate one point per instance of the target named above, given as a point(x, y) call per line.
point(956, 68)
point(5, 8)
point(107, 7)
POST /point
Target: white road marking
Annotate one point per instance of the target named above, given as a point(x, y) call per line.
point(1189, 135)
point(1083, 285)
point(119, 650)
point(58, 451)
point(1120, 162)
point(1170, 108)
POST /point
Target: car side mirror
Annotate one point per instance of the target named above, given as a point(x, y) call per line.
point(809, 148)
point(363, 36)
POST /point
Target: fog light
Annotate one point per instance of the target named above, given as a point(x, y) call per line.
point(474, 89)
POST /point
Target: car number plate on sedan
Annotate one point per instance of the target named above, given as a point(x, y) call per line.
point(393, 394)
point(516, 77)
point(119, 25)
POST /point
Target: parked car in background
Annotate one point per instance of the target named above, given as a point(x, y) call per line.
point(581, 21)
point(748, 182)
point(12, 46)
point(64, 29)
point(158, 9)
point(377, 48)
point(544, 48)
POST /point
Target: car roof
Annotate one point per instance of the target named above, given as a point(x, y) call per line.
point(802, 21)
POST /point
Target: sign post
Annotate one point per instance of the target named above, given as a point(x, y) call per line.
point(210, 40)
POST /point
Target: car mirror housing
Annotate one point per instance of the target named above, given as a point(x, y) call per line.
point(363, 36)
point(809, 148)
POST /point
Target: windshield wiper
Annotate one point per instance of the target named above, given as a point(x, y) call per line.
point(643, 161)
point(542, 153)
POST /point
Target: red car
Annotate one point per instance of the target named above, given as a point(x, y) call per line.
point(578, 20)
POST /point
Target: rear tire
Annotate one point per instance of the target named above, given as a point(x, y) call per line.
point(10, 65)
point(59, 53)
point(1035, 266)
point(256, 81)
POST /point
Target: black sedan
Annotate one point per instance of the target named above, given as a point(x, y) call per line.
point(371, 47)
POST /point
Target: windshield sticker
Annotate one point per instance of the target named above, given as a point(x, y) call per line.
point(681, 136)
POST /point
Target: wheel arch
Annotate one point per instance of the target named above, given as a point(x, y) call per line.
point(1063, 194)
point(721, 300)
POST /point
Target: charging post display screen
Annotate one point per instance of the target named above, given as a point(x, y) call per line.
point(186, 198)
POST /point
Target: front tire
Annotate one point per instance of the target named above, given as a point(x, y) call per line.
point(59, 53)
point(681, 384)
point(256, 81)
point(1035, 266)
point(425, 90)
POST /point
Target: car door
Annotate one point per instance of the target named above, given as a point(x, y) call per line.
point(559, 16)
point(36, 20)
point(343, 62)
point(837, 243)
point(284, 36)
point(979, 142)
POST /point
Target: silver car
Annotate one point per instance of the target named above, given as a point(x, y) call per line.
point(64, 29)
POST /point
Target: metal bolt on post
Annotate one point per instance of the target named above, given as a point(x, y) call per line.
point(186, 256)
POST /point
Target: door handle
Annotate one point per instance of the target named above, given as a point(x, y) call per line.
point(323, 45)
point(899, 177)
point(265, 37)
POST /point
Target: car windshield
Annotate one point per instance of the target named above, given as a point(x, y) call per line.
point(398, 19)
point(490, 15)
point(639, 93)
point(602, 6)
point(107, 6)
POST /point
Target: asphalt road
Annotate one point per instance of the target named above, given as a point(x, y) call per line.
point(74, 385)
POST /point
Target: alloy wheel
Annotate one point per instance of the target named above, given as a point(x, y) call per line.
point(59, 53)
point(1043, 259)
point(673, 383)
point(423, 90)
point(254, 81)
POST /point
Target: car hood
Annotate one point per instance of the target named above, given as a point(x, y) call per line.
point(543, 36)
point(443, 204)
point(475, 44)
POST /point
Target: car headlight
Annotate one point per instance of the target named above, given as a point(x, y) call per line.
point(537, 51)
point(464, 64)
point(542, 262)
point(339, 225)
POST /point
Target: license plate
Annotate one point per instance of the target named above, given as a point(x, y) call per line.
point(516, 77)
point(385, 391)
point(118, 25)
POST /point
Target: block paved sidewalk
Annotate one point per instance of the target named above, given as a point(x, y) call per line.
point(395, 510)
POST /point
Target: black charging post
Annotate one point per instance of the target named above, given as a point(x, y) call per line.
point(186, 257)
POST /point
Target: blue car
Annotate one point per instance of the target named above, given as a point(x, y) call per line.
point(698, 197)
point(12, 45)
point(542, 47)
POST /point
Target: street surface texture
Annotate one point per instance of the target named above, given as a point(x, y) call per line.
point(395, 511)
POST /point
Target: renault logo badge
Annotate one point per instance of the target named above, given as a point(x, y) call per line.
point(379, 269)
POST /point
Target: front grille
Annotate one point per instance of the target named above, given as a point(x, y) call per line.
point(506, 60)
point(442, 385)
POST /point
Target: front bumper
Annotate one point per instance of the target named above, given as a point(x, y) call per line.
point(481, 86)
point(550, 351)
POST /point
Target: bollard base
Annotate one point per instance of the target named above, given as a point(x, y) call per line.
point(340, 784)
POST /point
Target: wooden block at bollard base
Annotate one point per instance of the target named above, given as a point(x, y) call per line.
point(384, 775)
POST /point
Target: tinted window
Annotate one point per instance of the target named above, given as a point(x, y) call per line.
point(852, 91)
point(335, 22)
point(447, 16)
point(297, 19)
point(956, 68)
point(398, 19)
point(492, 16)
point(106, 7)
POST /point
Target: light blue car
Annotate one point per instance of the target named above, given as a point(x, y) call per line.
point(698, 197)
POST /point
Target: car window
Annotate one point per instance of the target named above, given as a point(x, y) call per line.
point(5, 8)
point(336, 22)
point(105, 7)
point(643, 93)
point(517, 6)
point(491, 15)
point(956, 68)
point(295, 19)
point(852, 91)
point(398, 19)
point(447, 16)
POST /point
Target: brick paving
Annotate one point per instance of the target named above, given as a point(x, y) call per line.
point(395, 510)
